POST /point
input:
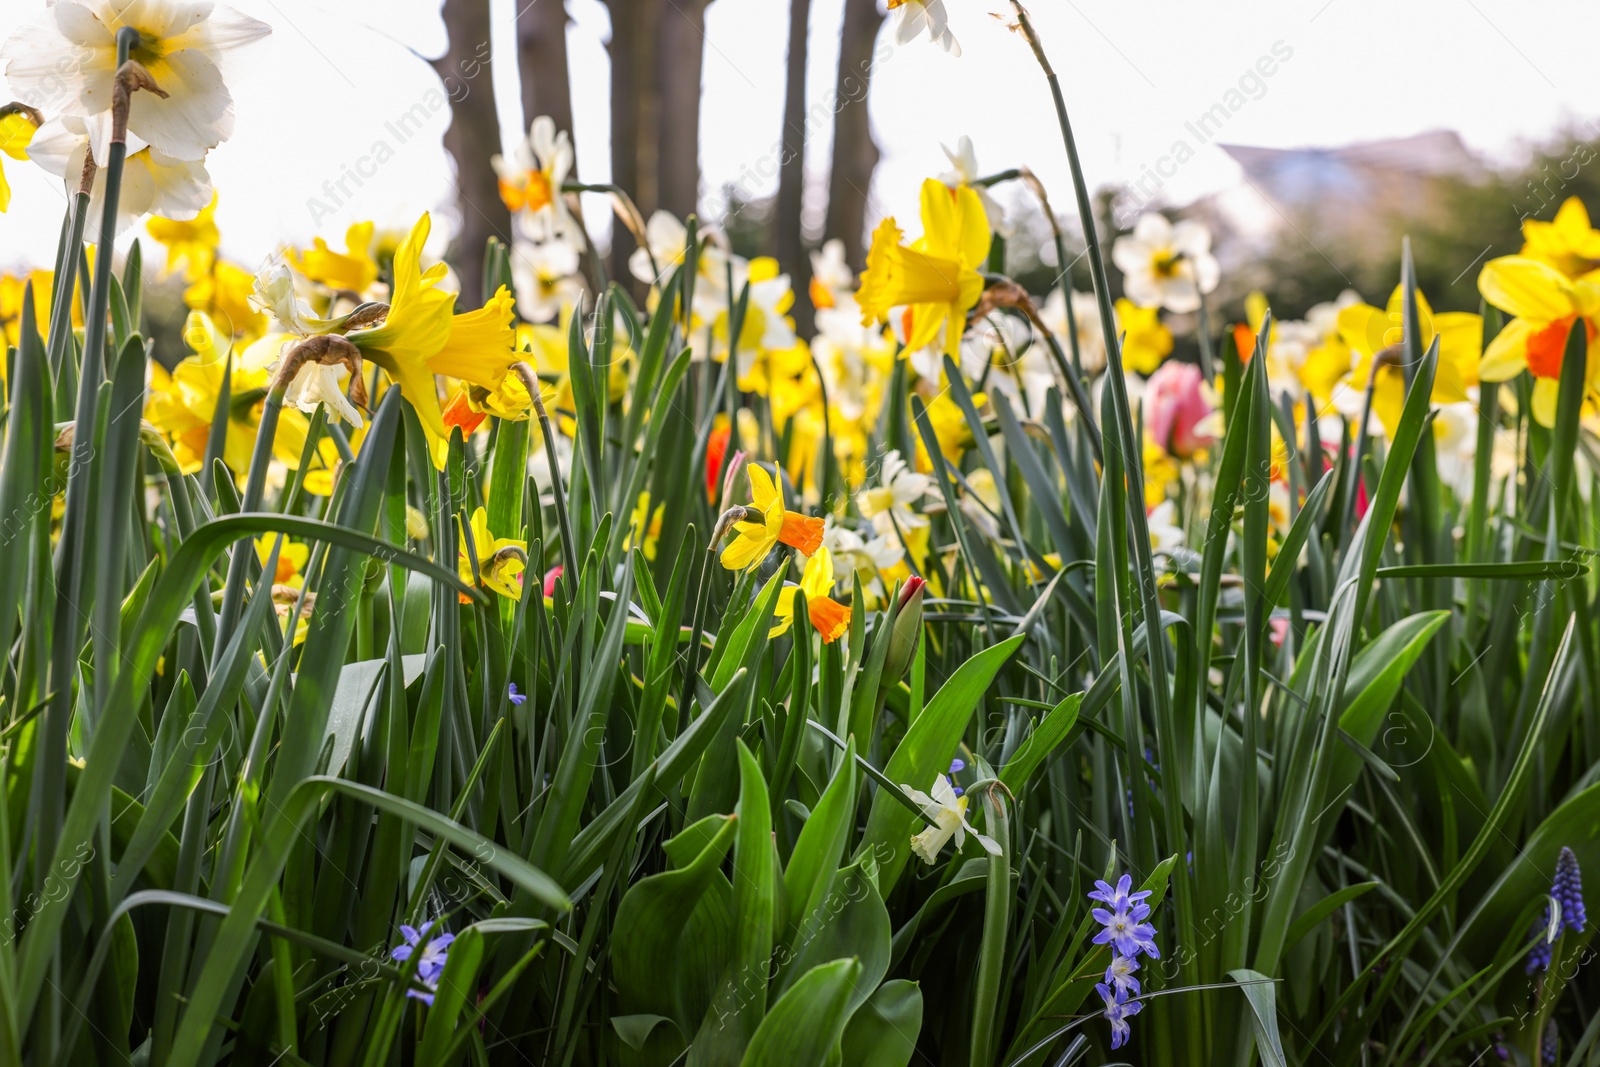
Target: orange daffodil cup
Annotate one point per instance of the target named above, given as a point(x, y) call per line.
point(777, 525)
point(1547, 305)
point(935, 278)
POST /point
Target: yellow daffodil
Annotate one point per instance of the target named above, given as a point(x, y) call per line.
point(1568, 242)
point(223, 293)
point(1547, 305)
point(190, 244)
point(352, 270)
point(422, 337)
point(950, 429)
point(936, 279)
point(1145, 340)
point(777, 525)
point(12, 290)
point(291, 559)
point(646, 526)
point(828, 617)
point(183, 403)
point(16, 131)
point(500, 559)
point(1368, 330)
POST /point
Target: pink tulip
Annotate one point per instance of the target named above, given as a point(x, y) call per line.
point(550, 577)
point(1174, 407)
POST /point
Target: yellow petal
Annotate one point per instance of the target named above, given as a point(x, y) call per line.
point(1526, 288)
point(1546, 391)
point(1507, 355)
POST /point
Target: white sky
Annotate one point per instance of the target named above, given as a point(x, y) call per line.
point(319, 93)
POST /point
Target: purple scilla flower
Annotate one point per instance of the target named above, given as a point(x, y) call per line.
point(958, 765)
point(516, 697)
point(958, 790)
point(431, 962)
point(1120, 898)
point(1119, 975)
point(1567, 890)
point(1119, 1009)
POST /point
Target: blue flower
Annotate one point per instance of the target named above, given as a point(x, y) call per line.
point(430, 965)
point(1568, 891)
point(1120, 898)
point(1126, 931)
point(958, 765)
point(1119, 975)
point(1566, 896)
point(1119, 1009)
point(516, 697)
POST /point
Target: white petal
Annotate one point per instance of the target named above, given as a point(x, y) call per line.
point(1154, 230)
point(197, 114)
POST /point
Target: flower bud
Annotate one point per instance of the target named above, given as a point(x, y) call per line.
point(907, 628)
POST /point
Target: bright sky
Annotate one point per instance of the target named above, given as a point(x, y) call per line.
point(322, 91)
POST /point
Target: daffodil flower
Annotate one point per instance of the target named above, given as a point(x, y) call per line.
point(828, 617)
point(777, 525)
point(913, 17)
point(292, 559)
point(530, 181)
point(948, 814)
point(422, 337)
point(353, 270)
point(69, 54)
point(1547, 304)
point(1369, 331)
point(1568, 242)
point(190, 243)
point(964, 171)
point(1166, 265)
point(152, 181)
point(545, 275)
point(1146, 341)
point(644, 527)
point(500, 559)
point(16, 131)
point(888, 504)
point(936, 279)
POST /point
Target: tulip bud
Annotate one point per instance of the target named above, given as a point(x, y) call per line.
point(907, 629)
point(550, 577)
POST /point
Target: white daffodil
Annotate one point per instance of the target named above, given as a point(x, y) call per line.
point(530, 181)
point(545, 275)
point(913, 17)
point(948, 814)
point(1166, 536)
point(832, 280)
point(1455, 436)
point(65, 61)
point(964, 171)
point(766, 326)
point(1086, 319)
point(152, 182)
point(869, 559)
point(322, 383)
point(889, 503)
point(274, 293)
point(1165, 265)
point(666, 243)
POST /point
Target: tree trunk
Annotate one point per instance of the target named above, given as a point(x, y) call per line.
point(792, 165)
point(855, 155)
point(633, 47)
point(542, 63)
point(473, 137)
point(683, 36)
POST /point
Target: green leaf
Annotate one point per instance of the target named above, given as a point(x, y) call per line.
point(883, 1031)
point(1039, 745)
point(458, 987)
point(925, 752)
point(1318, 913)
point(806, 1023)
point(1259, 992)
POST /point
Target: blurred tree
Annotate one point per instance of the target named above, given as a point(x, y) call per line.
point(682, 43)
point(542, 62)
point(855, 154)
point(472, 138)
point(792, 164)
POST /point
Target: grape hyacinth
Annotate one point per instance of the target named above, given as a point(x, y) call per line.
point(1566, 897)
point(431, 964)
point(1122, 919)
